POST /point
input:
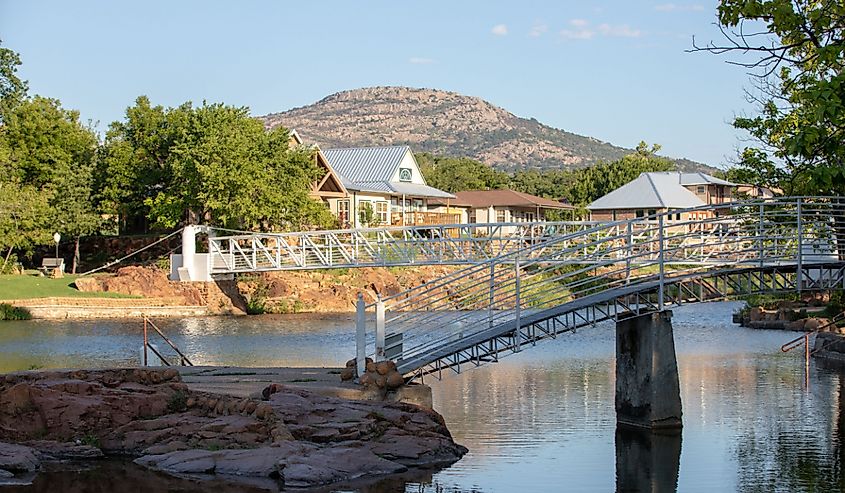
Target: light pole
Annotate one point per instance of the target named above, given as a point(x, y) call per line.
point(57, 238)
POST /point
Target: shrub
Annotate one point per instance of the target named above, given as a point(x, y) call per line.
point(9, 312)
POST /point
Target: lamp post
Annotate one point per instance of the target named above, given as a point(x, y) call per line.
point(57, 238)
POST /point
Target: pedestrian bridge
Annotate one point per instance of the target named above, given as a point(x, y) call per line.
point(730, 235)
point(577, 277)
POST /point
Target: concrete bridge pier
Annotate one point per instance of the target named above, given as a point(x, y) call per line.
point(648, 394)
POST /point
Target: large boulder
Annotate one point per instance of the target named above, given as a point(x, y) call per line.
point(18, 458)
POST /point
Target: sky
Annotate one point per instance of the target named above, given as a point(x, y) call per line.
point(614, 70)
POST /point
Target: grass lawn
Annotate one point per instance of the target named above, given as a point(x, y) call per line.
point(26, 286)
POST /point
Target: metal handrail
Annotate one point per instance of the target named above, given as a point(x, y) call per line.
point(802, 339)
point(650, 252)
point(184, 361)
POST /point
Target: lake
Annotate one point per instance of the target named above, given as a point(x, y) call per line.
point(541, 420)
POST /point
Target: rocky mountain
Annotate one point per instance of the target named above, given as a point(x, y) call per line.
point(445, 123)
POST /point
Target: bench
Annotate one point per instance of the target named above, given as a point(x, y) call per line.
point(50, 263)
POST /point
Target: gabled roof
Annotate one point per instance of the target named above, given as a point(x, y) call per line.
point(651, 191)
point(371, 169)
point(503, 198)
point(687, 179)
point(366, 164)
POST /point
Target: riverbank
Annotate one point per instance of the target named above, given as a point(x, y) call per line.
point(135, 291)
point(290, 438)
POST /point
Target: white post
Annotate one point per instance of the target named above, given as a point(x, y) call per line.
point(379, 330)
point(799, 278)
point(189, 250)
point(492, 299)
point(760, 236)
point(518, 330)
point(361, 336)
point(661, 262)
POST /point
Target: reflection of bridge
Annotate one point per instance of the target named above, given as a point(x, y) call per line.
point(607, 272)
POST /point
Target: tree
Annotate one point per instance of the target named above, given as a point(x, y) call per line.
point(212, 164)
point(796, 62)
point(12, 88)
point(23, 219)
point(49, 151)
point(458, 174)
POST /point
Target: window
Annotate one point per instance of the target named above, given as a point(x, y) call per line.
point(640, 213)
point(471, 217)
point(405, 174)
point(701, 189)
point(343, 211)
point(500, 215)
point(382, 212)
point(366, 213)
point(419, 205)
point(652, 212)
point(678, 216)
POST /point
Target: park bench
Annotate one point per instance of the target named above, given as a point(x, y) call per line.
point(50, 263)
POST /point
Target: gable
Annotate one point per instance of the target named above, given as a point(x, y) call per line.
point(407, 170)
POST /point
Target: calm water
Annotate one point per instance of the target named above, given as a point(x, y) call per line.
point(542, 420)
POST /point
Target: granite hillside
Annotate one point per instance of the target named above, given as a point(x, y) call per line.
point(444, 123)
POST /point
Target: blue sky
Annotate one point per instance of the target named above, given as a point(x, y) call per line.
point(614, 70)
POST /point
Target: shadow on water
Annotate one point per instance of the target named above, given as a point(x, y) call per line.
point(122, 475)
point(647, 461)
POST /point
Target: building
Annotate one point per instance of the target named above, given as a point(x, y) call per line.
point(383, 187)
point(501, 206)
point(756, 191)
point(329, 186)
point(651, 193)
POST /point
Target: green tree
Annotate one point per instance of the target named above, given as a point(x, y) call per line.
point(795, 52)
point(49, 150)
point(799, 86)
point(212, 164)
point(23, 219)
point(458, 174)
point(12, 88)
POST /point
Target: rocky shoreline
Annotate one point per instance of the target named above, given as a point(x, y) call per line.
point(288, 438)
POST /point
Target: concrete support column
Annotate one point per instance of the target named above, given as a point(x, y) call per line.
point(647, 390)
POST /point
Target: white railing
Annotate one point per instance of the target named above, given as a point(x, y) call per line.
point(595, 263)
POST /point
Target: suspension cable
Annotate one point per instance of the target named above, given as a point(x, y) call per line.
point(114, 262)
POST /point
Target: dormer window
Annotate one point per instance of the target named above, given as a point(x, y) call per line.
point(404, 174)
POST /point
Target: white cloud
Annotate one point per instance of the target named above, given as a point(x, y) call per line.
point(538, 29)
point(578, 29)
point(500, 30)
point(674, 7)
point(582, 29)
point(420, 60)
point(620, 31)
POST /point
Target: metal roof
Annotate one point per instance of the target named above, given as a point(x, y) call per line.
point(697, 179)
point(400, 188)
point(370, 169)
point(504, 198)
point(651, 191)
point(366, 164)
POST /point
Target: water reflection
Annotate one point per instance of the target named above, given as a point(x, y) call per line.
point(543, 420)
point(647, 461)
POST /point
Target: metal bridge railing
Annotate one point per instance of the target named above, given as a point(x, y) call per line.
point(595, 262)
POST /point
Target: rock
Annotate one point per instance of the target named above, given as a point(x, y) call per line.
point(4, 474)
point(797, 325)
point(347, 374)
point(18, 458)
point(87, 284)
point(371, 366)
point(367, 380)
point(755, 314)
point(57, 273)
point(385, 367)
point(52, 450)
point(352, 363)
point(394, 380)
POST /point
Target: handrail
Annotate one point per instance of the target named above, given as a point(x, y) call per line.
point(634, 255)
point(798, 341)
point(184, 361)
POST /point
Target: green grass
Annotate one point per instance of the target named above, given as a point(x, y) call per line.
point(26, 286)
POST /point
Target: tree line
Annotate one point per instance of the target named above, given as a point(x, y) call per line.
point(156, 169)
point(578, 187)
